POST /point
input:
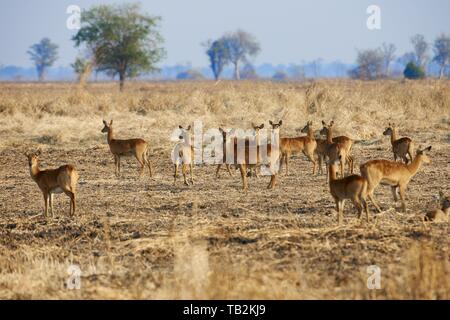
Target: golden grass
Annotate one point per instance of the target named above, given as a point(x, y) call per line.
point(147, 239)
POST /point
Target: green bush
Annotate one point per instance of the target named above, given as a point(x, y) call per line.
point(413, 71)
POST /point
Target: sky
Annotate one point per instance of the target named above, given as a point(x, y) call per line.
point(290, 31)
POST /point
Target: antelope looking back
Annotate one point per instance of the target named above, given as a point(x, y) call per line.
point(400, 147)
point(51, 181)
point(352, 187)
point(125, 148)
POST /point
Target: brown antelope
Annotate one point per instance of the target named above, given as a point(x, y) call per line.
point(184, 155)
point(442, 214)
point(125, 148)
point(392, 173)
point(224, 146)
point(51, 181)
point(352, 187)
point(400, 147)
point(337, 146)
point(244, 150)
point(307, 145)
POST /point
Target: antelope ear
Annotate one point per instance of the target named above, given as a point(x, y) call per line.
point(38, 152)
point(270, 122)
point(331, 123)
point(111, 122)
point(261, 126)
point(104, 122)
point(181, 127)
point(427, 149)
point(323, 122)
point(188, 128)
point(441, 194)
point(280, 123)
point(26, 154)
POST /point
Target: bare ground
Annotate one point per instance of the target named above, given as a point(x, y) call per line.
point(145, 238)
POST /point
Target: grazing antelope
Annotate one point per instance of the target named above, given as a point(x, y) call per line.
point(440, 215)
point(337, 146)
point(400, 147)
point(184, 156)
point(307, 145)
point(392, 173)
point(51, 181)
point(352, 187)
point(124, 148)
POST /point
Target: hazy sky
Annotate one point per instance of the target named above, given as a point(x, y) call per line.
point(289, 30)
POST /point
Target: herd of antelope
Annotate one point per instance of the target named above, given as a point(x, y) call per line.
point(335, 152)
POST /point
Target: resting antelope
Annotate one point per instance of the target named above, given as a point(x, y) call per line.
point(352, 187)
point(307, 145)
point(442, 214)
point(337, 146)
point(184, 155)
point(124, 148)
point(395, 174)
point(51, 181)
point(400, 147)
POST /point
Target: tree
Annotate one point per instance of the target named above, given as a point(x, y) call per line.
point(388, 52)
point(280, 75)
point(240, 46)
point(413, 71)
point(248, 72)
point(420, 50)
point(370, 64)
point(218, 56)
point(190, 75)
point(82, 67)
point(123, 40)
point(43, 54)
point(442, 53)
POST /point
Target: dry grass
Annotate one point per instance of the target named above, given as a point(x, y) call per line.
point(148, 239)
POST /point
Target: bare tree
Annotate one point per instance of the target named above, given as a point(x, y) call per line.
point(421, 48)
point(442, 52)
point(388, 52)
point(218, 56)
point(370, 64)
point(43, 54)
point(240, 45)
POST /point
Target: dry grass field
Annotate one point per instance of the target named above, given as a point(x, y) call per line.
point(147, 239)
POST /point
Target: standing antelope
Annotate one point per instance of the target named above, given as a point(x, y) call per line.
point(400, 147)
point(265, 153)
point(307, 145)
point(337, 146)
point(124, 148)
point(392, 173)
point(184, 155)
point(440, 215)
point(51, 181)
point(352, 187)
point(224, 158)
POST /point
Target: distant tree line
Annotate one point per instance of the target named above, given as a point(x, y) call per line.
point(123, 41)
point(374, 63)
